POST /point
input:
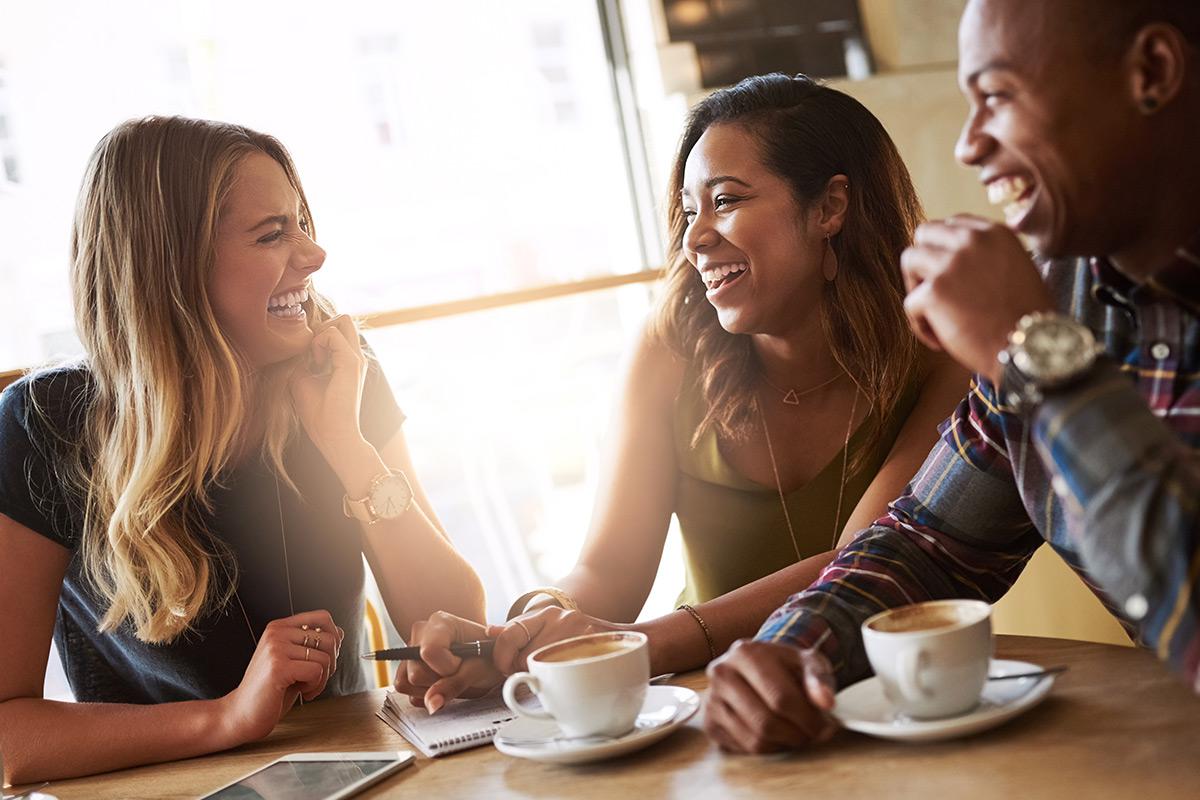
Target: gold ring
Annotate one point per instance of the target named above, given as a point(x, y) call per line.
point(317, 629)
point(307, 650)
point(317, 642)
point(528, 635)
point(304, 627)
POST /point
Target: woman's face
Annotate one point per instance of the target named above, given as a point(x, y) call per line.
point(752, 243)
point(264, 258)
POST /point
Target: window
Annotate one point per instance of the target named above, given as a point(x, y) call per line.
point(458, 156)
point(449, 150)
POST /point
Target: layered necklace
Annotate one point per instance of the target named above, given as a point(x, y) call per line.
point(787, 517)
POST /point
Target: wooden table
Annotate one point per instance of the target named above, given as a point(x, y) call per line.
point(1117, 724)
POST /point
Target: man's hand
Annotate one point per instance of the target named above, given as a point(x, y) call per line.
point(765, 697)
point(969, 281)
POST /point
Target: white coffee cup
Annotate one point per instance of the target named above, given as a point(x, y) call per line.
point(931, 658)
point(591, 685)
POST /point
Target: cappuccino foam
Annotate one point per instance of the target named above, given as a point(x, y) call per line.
point(586, 649)
point(925, 618)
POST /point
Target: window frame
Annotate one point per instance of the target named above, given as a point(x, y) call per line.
point(638, 172)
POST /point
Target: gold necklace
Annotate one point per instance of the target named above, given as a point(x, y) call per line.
point(791, 396)
point(787, 517)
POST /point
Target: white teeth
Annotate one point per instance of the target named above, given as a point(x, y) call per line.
point(1006, 190)
point(1009, 192)
point(713, 276)
point(288, 299)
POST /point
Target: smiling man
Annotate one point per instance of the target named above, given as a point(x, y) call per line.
point(1083, 427)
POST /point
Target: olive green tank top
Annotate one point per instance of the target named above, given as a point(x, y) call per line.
point(733, 529)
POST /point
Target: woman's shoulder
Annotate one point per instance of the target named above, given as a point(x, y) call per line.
point(58, 396)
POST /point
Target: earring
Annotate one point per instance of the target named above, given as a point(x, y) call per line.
point(829, 263)
point(1149, 105)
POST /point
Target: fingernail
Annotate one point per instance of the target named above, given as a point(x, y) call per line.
point(432, 704)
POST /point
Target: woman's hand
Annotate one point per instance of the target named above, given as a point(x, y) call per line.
point(327, 390)
point(289, 662)
point(521, 635)
point(440, 675)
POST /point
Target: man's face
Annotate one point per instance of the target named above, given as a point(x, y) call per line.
point(1050, 127)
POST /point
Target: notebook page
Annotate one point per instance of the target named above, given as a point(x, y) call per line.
point(459, 725)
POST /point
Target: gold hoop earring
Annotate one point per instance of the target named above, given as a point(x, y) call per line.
point(829, 262)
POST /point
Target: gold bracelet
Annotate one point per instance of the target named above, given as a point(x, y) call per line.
point(712, 647)
point(560, 598)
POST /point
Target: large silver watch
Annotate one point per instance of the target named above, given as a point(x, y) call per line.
point(1046, 351)
point(389, 497)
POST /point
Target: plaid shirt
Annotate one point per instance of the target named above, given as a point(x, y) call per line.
point(1106, 471)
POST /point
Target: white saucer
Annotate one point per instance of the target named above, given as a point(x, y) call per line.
point(863, 707)
point(664, 709)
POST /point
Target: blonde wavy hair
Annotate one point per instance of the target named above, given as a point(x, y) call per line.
point(167, 391)
point(807, 133)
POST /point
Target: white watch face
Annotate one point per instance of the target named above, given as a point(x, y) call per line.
point(391, 497)
point(1056, 348)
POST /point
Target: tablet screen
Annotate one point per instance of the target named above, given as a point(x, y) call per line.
point(301, 780)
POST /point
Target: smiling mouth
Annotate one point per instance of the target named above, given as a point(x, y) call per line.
point(716, 277)
point(1014, 195)
point(288, 305)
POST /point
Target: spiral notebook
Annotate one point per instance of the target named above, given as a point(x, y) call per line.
point(459, 725)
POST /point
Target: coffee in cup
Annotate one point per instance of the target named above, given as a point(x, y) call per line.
point(931, 658)
point(591, 685)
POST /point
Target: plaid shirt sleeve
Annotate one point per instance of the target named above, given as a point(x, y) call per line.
point(1134, 487)
point(959, 530)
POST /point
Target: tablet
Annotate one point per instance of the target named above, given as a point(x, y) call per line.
point(314, 776)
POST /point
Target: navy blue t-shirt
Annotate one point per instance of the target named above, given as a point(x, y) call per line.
point(324, 551)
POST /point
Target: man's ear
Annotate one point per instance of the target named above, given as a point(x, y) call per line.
point(834, 204)
point(1157, 66)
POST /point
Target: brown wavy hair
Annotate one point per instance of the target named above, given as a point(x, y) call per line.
point(807, 133)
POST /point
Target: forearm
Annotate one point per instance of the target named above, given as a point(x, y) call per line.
point(419, 572)
point(607, 594)
point(48, 740)
point(1130, 487)
point(677, 641)
point(960, 529)
point(417, 568)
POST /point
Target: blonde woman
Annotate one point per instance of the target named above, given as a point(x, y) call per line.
point(775, 405)
point(186, 509)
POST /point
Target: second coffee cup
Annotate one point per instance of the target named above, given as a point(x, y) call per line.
point(591, 685)
point(931, 658)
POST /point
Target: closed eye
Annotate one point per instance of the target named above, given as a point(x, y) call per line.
point(726, 200)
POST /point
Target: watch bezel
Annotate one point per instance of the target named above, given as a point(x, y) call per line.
point(397, 477)
point(1031, 354)
point(1024, 378)
point(366, 510)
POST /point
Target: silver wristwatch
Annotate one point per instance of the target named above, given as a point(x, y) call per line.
point(1046, 351)
point(389, 497)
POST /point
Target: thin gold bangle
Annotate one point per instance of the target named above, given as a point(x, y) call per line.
point(560, 598)
point(712, 647)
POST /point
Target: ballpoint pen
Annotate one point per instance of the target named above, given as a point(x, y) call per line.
point(479, 649)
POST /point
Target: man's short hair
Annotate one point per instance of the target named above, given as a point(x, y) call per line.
point(1114, 22)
